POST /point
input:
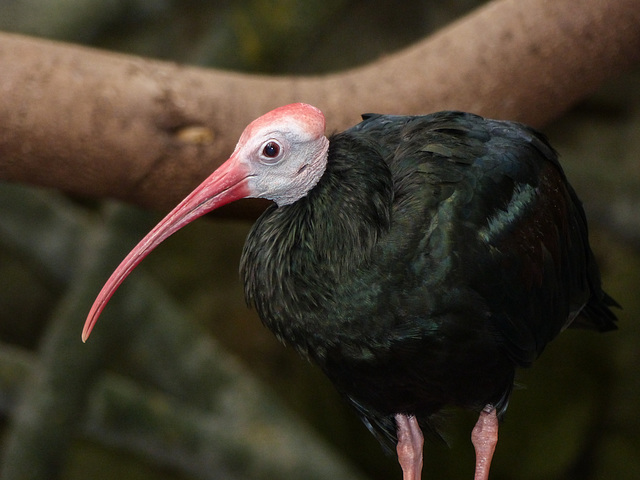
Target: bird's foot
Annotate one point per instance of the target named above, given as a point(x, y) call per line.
point(409, 448)
point(484, 438)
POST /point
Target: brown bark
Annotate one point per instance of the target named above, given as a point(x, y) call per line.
point(109, 125)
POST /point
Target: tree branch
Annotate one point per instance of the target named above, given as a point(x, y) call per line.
point(109, 125)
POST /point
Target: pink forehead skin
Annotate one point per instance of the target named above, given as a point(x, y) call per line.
point(295, 115)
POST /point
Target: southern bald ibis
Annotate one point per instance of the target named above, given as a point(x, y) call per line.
point(417, 260)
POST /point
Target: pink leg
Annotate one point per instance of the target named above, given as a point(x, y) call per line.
point(409, 448)
point(484, 438)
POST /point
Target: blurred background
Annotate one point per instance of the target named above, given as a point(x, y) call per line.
point(193, 386)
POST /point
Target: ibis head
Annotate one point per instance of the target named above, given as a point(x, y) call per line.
point(280, 156)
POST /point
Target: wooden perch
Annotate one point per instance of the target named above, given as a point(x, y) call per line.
point(109, 125)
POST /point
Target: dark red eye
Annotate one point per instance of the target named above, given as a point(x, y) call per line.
point(271, 150)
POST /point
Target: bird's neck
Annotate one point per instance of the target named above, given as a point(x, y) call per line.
point(340, 221)
point(295, 255)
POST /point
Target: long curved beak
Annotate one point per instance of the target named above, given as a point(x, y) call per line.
point(227, 184)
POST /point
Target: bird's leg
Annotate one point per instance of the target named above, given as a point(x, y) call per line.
point(409, 448)
point(484, 438)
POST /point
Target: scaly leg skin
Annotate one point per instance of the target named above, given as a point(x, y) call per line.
point(484, 438)
point(409, 448)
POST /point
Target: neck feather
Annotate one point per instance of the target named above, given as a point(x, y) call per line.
point(296, 254)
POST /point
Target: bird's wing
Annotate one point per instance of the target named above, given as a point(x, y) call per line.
point(504, 223)
point(538, 272)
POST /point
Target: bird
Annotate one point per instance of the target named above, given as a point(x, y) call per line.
point(417, 260)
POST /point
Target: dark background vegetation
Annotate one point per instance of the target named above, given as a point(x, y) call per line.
point(577, 413)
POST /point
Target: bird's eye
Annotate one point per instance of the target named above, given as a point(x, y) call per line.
point(271, 150)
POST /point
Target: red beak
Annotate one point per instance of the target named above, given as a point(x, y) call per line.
point(227, 184)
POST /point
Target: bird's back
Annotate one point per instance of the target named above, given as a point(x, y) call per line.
point(504, 216)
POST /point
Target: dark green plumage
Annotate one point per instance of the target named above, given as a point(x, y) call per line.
point(436, 254)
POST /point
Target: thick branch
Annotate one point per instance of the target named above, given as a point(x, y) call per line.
point(109, 125)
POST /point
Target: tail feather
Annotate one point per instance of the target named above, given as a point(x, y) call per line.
point(597, 314)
